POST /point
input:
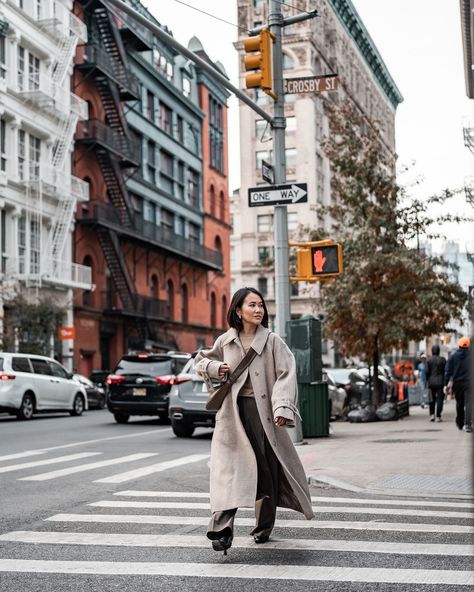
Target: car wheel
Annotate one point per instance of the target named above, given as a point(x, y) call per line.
point(121, 417)
point(182, 430)
point(78, 406)
point(27, 407)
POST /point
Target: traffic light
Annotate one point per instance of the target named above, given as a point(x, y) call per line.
point(317, 261)
point(259, 62)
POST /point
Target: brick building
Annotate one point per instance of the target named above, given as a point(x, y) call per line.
point(150, 231)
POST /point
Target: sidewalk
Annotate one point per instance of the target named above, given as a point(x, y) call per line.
point(411, 457)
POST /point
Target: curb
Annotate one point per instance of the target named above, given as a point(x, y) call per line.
point(344, 485)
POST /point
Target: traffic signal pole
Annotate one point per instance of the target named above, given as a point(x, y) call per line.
point(280, 220)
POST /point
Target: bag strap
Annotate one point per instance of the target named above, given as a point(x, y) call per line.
point(244, 363)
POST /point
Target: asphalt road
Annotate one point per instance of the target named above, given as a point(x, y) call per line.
point(88, 504)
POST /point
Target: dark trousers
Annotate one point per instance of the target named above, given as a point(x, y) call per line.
point(463, 404)
point(267, 477)
point(437, 400)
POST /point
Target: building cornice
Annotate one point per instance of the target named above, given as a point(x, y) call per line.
point(347, 14)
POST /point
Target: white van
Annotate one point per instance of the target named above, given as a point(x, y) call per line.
point(30, 384)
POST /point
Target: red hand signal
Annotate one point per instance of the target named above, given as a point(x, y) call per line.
point(319, 260)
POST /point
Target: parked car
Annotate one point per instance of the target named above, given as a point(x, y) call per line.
point(95, 394)
point(98, 377)
point(187, 403)
point(31, 384)
point(337, 395)
point(140, 384)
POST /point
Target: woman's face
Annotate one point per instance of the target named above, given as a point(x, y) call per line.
point(252, 310)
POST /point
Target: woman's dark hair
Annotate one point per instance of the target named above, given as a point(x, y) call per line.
point(237, 301)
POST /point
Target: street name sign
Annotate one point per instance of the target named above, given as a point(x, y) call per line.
point(274, 195)
point(310, 84)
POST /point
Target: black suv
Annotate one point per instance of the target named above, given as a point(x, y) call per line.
point(140, 384)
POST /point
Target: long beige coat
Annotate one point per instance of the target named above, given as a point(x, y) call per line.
point(233, 464)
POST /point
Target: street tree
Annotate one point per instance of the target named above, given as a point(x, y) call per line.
point(391, 291)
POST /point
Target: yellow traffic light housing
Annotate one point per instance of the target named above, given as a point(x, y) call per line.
point(259, 62)
point(317, 261)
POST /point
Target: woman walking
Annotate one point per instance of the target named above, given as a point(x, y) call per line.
point(253, 460)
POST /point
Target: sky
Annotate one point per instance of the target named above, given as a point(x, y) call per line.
point(420, 43)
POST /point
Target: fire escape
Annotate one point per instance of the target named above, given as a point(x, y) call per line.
point(468, 132)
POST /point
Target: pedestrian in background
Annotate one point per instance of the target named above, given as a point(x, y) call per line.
point(457, 372)
point(253, 460)
point(435, 380)
point(422, 378)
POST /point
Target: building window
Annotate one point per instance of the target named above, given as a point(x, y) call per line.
point(265, 256)
point(212, 201)
point(290, 156)
point(163, 64)
point(21, 154)
point(186, 85)
point(150, 105)
point(184, 303)
point(149, 211)
point(290, 125)
point(170, 298)
point(3, 242)
point(194, 233)
point(224, 312)
point(33, 72)
point(3, 151)
point(167, 220)
point(35, 240)
point(261, 98)
point(221, 205)
point(151, 162)
point(193, 188)
point(262, 155)
point(288, 62)
point(180, 180)
point(218, 244)
point(265, 223)
point(21, 244)
point(3, 58)
point(263, 131)
point(293, 222)
point(262, 283)
point(216, 135)
point(166, 171)
point(137, 203)
point(213, 310)
point(87, 294)
point(166, 118)
point(179, 129)
point(294, 288)
point(21, 68)
point(34, 157)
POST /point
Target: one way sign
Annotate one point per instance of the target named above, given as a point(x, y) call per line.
point(273, 195)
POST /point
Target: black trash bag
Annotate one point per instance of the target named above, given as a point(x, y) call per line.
point(387, 412)
point(355, 416)
point(368, 413)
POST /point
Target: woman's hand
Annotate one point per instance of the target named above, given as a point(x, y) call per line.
point(280, 421)
point(223, 370)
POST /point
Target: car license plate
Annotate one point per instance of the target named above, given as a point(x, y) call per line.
point(139, 392)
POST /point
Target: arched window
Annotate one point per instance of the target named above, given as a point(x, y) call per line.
point(184, 303)
point(212, 199)
point(87, 295)
point(213, 310)
point(221, 205)
point(224, 311)
point(218, 244)
point(154, 286)
point(170, 298)
point(288, 62)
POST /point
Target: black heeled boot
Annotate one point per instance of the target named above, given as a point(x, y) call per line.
point(223, 542)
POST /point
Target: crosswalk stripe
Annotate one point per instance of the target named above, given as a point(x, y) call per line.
point(317, 509)
point(319, 499)
point(193, 541)
point(151, 469)
point(24, 454)
point(304, 524)
point(88, 467)
point(243, 571)
point(47, 461)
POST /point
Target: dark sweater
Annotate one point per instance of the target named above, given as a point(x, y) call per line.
point(457, 366)
point(435, 371)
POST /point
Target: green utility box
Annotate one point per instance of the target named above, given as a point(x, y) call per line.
point(304, 340)
point(314, 409)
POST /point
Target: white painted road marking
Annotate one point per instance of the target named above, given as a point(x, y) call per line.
point(151, 469)
point(25, 454)
point(318, 499)
point(305, 524)
point(193, 541)
point(244, 571)
point(317, 509)
point(48, 461)
point(88, 467)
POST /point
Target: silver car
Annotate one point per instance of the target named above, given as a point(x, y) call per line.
point(31, 384)
point(187, 403)
point(337, 395)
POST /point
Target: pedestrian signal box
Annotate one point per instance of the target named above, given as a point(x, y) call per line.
point(317, 261)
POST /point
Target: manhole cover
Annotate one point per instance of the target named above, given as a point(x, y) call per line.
point(402, 440)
